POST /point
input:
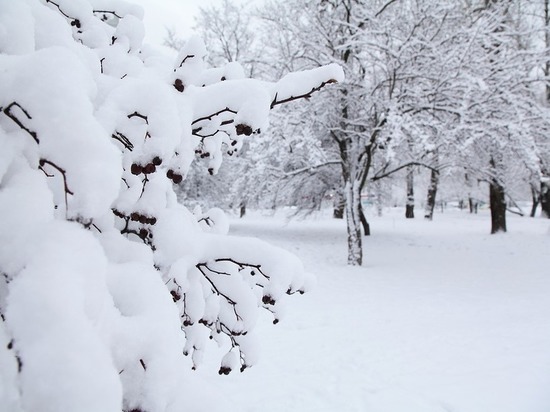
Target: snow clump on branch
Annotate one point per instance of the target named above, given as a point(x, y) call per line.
point(104, 278)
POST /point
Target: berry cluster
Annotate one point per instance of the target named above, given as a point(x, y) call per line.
point(148, 168)
point(136, 217)
point(268, 300)
point(175, 295)
point(243, 129)
point(224, 370)
point(175, 177)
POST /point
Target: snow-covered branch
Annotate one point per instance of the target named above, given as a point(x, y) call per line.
point(122, 277)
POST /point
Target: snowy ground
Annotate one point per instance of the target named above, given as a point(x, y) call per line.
point(443, 317)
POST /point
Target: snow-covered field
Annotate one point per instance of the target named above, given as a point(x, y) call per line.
point(442, 317)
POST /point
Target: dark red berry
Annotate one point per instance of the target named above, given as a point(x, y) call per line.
point(175, 295)
point(117, 213)
point(177, 178)
point(178, 84)
point(224, 370)
point(268, 300)
point(243, 129)
point(136, 169)
point(169, 173)
point(150, 168)
point(157, 161)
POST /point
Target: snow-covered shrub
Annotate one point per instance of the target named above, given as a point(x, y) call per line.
point(105, 280)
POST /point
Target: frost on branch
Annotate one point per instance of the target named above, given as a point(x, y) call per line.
point(105, 280)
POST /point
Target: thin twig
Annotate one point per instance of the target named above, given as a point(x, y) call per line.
point(276, 102)
point(7, 112)
point(63, 173)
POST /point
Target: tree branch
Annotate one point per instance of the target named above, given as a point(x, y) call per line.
point(388, 4)
point(312, 168)
point(307, 95)
point(107, 12)
point(124, 140)
point(63, 174)
point(7, 112)
point(386, 174)
point(211, 116)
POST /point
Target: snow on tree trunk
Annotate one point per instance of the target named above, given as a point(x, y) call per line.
point(409, 207)
point(354, 170)
point(353, 221)
point(432, 192)
point(379, 198)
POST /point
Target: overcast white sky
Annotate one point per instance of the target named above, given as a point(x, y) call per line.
point(176, 14)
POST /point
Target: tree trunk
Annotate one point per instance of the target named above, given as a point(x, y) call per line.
point(473, 204)
point(379, 201)
point(339, 205)
point(535, 194)
point(497, 202)
point(355, 165)
point(353, 221)
point(364, 222)
point(432, 192)
point(545, 197)
point(545, 178)
point(409, 208)
point(242, 209)
point(498, 207)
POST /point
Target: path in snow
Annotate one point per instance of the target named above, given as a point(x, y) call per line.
point(443, 317)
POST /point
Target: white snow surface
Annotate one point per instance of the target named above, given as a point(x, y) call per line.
point(442, 317)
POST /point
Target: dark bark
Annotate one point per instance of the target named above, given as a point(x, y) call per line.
point(545, 197)
point(432, 192)
point(498, 207)
point(535, 194)
point(409, 211)
point(242, 209)
point(497, 201)
point(364, 222)
point(409, 208)
point(545, 180)
point(339, 206)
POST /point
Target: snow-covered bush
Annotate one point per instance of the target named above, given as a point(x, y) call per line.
point(105, 279)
